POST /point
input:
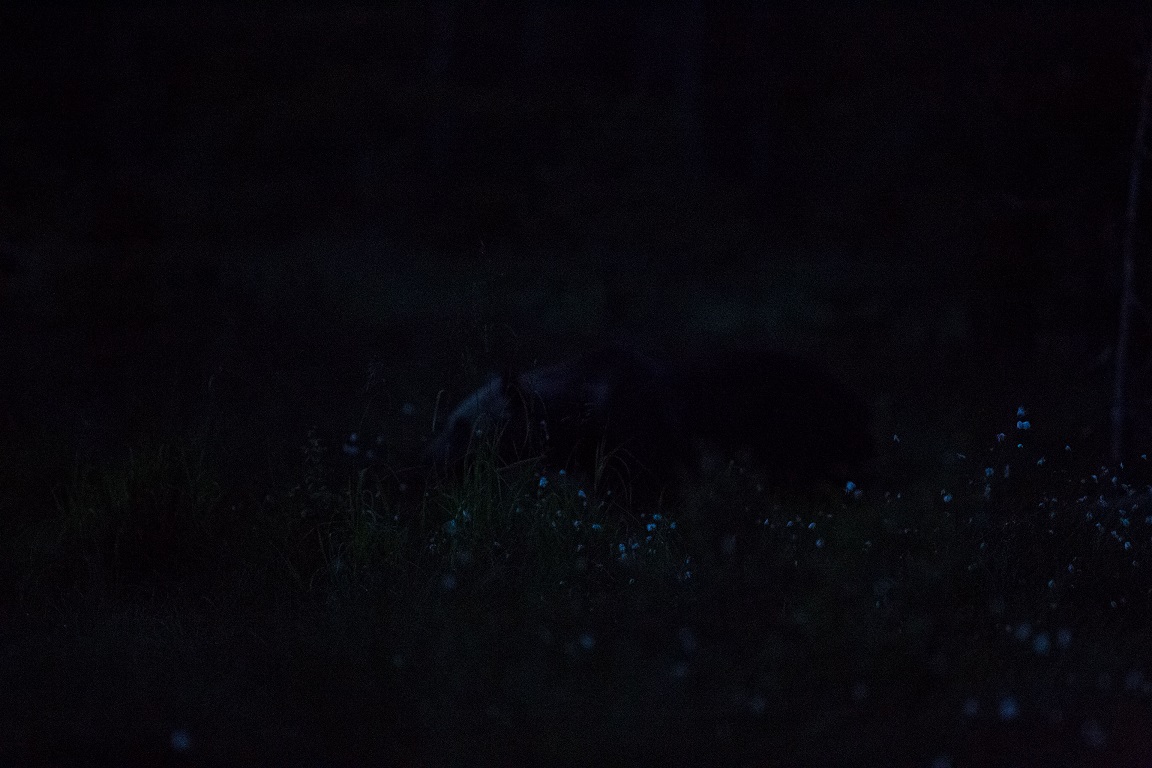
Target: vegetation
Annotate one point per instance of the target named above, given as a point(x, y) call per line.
point(214, 224)
point(510, 614)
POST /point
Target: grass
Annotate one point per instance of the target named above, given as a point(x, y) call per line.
point(509, 615)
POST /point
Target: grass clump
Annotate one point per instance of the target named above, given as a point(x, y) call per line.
point(511, 610)
point(150, 522)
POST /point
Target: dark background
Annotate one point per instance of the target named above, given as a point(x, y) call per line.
point(289, 202)
point(244, 226)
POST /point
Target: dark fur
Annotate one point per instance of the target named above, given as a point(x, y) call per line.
point(619, 416)
point(793, 419)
